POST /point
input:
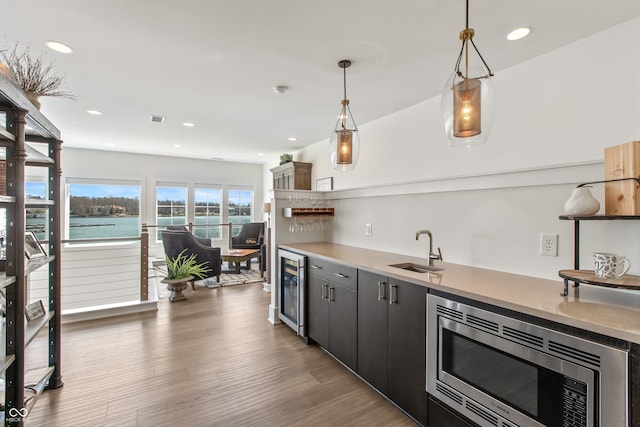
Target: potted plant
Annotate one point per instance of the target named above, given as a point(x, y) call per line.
point(285, 158)
point(181, 270)
point(33, 74)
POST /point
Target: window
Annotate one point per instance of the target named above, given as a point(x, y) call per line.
point(207, 211)
point(103, 210)
point(171, 207)
point(240, 202)
point(37, 218)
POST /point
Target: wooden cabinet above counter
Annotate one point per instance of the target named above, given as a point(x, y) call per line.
point(292, 176)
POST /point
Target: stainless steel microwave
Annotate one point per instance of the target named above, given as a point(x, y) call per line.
point(501, 372)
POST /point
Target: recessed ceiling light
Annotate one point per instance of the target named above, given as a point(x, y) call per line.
point(58, 46)
point(189, 125)
point(260, 154)
point(177, 145)
point(110, 144)
point(292, 138)
point(280, 89)
point(518, 33)
point(94, 112)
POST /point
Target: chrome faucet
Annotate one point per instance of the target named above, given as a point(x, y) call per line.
point(432, 255)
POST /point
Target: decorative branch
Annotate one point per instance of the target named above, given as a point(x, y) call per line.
point(33, 73)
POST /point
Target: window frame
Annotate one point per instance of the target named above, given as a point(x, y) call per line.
point(69, 181)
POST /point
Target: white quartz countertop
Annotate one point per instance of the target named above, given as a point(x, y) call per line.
point(606, 311)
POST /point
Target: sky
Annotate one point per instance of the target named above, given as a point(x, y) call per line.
point(101, 190)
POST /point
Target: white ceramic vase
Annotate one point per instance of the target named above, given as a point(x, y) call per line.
point(581, 202)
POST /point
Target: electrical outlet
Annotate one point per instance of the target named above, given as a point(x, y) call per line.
point(549, 244)
point(368, 229)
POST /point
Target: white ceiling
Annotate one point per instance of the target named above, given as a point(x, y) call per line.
point(214, 63)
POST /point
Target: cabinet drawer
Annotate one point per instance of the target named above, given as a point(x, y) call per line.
point(337, 273)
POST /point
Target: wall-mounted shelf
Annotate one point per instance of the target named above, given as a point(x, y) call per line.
point(588, 277)
point(292, 212)
point(578, 276)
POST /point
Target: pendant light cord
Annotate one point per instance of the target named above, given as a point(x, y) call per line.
point(464, 42)
point(344, 79)
point(467, 20)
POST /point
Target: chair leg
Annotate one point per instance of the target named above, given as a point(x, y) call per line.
point(218, 278)
point(193, 285)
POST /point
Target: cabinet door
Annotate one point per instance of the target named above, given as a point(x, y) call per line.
point(372, 329)
point(407, 347)
point(318, 310)
point(343, 324)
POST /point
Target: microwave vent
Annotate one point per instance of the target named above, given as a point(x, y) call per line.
point(481, 323)
point(450, 313)
point(524, 337)
point(482, 413)
point(449, 393)
point(574, 353)
point(506, 424)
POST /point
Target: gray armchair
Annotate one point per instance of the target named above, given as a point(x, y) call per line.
point(251, 236)
point(175, 241)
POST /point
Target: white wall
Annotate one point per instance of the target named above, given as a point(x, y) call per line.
point(486, 206)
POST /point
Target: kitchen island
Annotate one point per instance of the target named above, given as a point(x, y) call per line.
point(607, 316)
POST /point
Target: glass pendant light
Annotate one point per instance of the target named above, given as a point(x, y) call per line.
point(467, 104)
point(344, 144)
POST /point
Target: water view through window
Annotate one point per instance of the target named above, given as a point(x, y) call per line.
point(103, 211)
point(97, 210)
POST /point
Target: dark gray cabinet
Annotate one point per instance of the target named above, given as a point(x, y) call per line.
point(391, 340)
point(317, 310)
point(332, 301)
point(372, 329)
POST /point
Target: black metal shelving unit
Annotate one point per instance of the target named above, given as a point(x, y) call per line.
point(577, 275)
point(20, 124)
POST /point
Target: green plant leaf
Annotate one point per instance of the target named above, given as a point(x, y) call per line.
point(184, 266)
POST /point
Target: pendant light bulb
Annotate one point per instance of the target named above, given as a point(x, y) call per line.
point(344, 143)
point(467, 104)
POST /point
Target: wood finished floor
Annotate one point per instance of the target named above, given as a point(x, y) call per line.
point(213, 360)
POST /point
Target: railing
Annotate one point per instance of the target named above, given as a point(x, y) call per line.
point(190, 226)
point(104, 272)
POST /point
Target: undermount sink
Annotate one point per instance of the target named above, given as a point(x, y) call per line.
point(418, 268)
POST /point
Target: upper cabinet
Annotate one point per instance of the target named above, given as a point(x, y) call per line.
point(292, 176)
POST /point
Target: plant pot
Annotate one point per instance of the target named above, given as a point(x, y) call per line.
point(33, 98)
point(176, 286)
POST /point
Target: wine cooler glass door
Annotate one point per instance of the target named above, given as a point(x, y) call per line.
point(291, 291)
